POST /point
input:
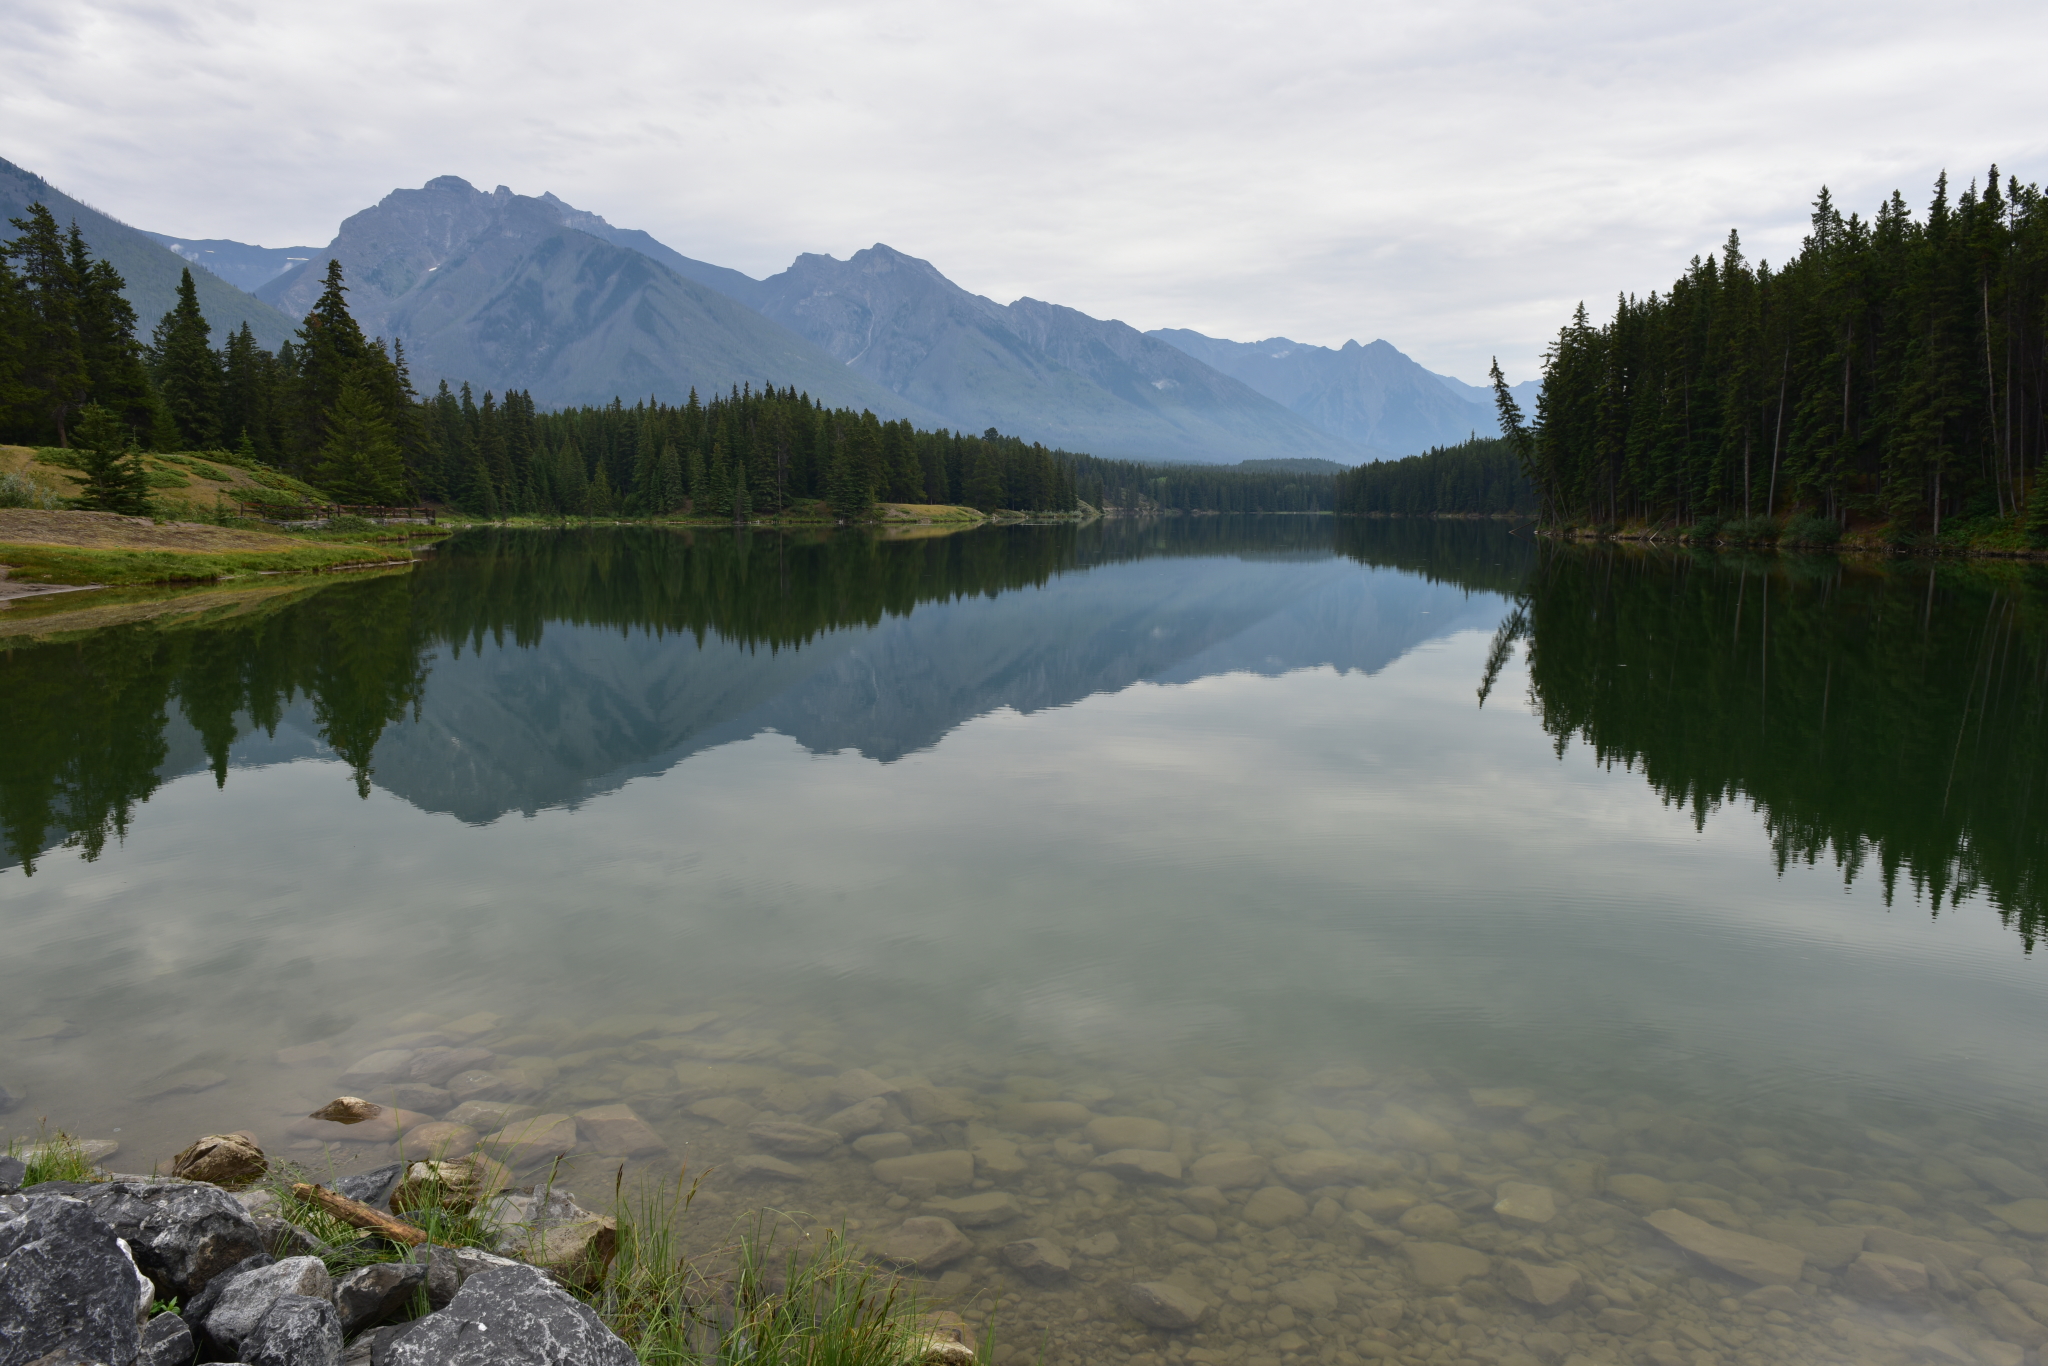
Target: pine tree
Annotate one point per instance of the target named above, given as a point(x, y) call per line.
point(116, 377)
point(668, 491)
point(55, 369)
point(187, 371)
point(115, 478)
point(847, 489)
point(361, 461)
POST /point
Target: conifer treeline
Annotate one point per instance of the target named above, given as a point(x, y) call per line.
point(339, 409)
point(1892, 370)
point(1483, 475)
point(1133, 486)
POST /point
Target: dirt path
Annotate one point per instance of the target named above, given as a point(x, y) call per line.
point(111, 531)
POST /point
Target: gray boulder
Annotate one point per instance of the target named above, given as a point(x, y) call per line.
point(373, 1187)
point(166, 1341)
point(296, 1330)
point(67, 1285)
point(368, 1295)
point(226, 1319)
point(182, 1234)
point(13, 1171)
point(512, 1316)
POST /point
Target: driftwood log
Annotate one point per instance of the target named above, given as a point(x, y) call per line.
point(356, 1214)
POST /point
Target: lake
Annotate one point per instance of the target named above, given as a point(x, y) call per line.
point(1335, 921)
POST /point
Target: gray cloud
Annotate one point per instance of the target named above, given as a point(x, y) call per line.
point(1452, 176)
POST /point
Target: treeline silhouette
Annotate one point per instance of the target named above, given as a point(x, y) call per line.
point(1137, 486)
point(338, 408)
point(1482, 476)
point(1891, 371)
point(1892, 717)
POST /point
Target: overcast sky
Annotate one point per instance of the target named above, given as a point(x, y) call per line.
point(1452, 176)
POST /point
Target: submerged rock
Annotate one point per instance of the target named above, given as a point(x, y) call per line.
point(1739, 1254)
point(978, 1211)
point(1163, 1304)
point(924, 1243)
point(1443, 1265)
point(1038, 1260)
point(948, 1170)
point(792, 1139)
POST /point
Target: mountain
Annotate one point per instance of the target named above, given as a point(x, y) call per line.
point(150, 269)
point(1031, 369)
point(498, 290)
point(241, 265)
point(1524, 393)
point(1372, 395)
point(726, 281)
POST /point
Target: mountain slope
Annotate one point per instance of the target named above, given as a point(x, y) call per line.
point(150, 269)
point(1032, 369)
point(1373, 395)
point(497, 290)
point(244, 266)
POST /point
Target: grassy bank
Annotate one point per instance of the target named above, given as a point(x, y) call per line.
point(61, 547)
point(776, 1294)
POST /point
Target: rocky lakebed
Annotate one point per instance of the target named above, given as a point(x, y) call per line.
point(1344, 1214)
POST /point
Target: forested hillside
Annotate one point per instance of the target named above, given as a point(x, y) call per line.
point(1482, 476)
point(338, 408)
point(1890, 372)
point(1250, 486)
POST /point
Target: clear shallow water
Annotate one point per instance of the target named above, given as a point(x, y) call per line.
point(1169, 821)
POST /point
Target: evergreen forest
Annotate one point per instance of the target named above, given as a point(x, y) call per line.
point(1482, 477)
point(338, 409)
point(1890, 374)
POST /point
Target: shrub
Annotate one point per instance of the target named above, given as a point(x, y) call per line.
point(1811, 529)
point(1705, 529)
point(1751, 531)
point(19, 491)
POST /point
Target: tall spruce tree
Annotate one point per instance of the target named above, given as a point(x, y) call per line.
point(54, 369)
point(187, 371)
point(360, 461)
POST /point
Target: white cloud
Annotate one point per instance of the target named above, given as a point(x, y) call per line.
point(1453, 177)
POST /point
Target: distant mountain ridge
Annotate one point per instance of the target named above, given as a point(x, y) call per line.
point(512, 291)
point(498, 290)
point(1373, 395)
point(1034, 369)
point(149, 268)
point(241, 265)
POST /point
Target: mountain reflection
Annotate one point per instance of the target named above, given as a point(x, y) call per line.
point(1887, 715)
point(524, 669)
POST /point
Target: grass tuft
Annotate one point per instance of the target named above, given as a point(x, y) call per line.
point(54, 1157)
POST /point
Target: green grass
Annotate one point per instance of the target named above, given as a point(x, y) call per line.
point(54, 1157)
point(813, 1302)
point(126, 568)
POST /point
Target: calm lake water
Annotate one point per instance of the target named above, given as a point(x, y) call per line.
point(1360, 870)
